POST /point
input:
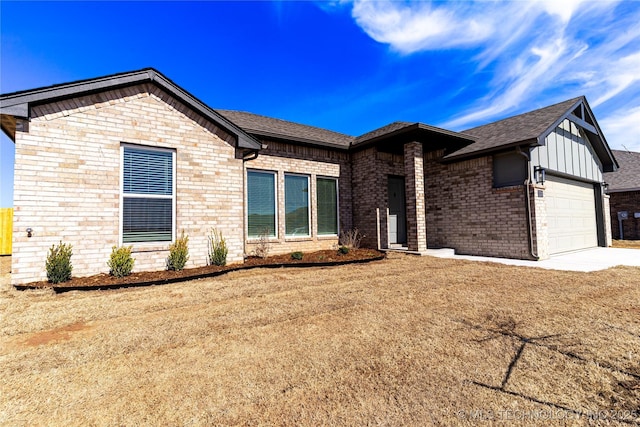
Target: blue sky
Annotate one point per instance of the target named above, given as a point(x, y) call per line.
point(349, 66)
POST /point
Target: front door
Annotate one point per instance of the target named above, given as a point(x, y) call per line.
point(397, 214)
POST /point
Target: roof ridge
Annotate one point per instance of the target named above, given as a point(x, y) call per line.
point(566, 101)
point(222, 111)
point(81, 81)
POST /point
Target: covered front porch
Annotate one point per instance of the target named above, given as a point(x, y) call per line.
point(389, 204)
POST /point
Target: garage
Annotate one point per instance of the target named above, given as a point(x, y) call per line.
point(571, 215)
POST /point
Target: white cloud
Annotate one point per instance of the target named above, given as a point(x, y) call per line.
point(410, 28)
point(622, 128)
point(621, 75)
point(538, 52)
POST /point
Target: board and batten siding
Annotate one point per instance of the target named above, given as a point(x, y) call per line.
point(568, 150)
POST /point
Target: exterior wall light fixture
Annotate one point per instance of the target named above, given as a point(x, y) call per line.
point(538, 173)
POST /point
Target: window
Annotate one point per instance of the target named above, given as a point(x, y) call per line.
point(296, 205)
point(509, 169)
point(147, 195)
point(261, 204)
point(327, 206)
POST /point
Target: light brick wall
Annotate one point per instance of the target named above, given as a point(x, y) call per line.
point(313, 162)
point(67, 179)
point(465, 213)
point(539, 221)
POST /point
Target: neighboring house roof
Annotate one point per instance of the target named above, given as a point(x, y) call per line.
point(18, 104)
point(532, 128)
point(627, 178)
point(281, 129)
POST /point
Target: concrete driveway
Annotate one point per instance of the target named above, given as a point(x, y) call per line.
point(586, 260)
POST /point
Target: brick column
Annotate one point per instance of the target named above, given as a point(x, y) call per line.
point(414, 192)
point(539, 218)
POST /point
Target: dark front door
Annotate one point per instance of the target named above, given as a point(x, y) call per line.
point(397, 214)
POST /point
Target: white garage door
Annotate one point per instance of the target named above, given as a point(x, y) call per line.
point(571, 215)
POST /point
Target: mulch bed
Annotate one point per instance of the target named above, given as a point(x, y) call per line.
point(104, 281)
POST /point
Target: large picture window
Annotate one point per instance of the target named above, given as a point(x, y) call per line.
point(261, 204)
point(327, 206)
point(296, 204)
point(147, 195)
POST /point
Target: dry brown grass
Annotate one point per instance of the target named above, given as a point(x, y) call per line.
point(405, 341)
point(5, 264)
point(631, 244)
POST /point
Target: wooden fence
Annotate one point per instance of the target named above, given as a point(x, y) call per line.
point(6, 230)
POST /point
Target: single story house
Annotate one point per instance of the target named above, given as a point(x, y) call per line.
point(134, 159)
point(623, 188)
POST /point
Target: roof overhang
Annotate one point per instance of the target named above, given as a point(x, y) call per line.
point(294, 139)
point(492, 150)
point(622, 190)
point(19, 104)
point(431, 137)
point(580, 113)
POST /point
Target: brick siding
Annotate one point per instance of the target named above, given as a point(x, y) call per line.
point(67, 179)
point(313, 162)
point(68, 188)
point(465, 213)
point(625, 201)
point(371, 170)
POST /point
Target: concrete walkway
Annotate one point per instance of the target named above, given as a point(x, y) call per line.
point(586, 260)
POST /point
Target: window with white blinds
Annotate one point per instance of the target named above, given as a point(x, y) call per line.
point(261, 204)
point(327, 206)
point(147, 195)
point(296, 205)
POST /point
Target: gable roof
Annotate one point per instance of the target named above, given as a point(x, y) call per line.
point(532, 128)
point(18, 104)
point(281, 129)
point(394, 135)
point(522, 129)
point(627, 177)
point(528, 129)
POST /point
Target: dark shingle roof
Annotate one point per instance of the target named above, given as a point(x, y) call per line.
point(270, 127)
point(514, 130)
point(384, 130)
point(627, 178)
point(396, 133)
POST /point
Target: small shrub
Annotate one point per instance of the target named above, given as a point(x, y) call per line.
point(343, 250)
point(264, 246)
point(217, 248)
point(120, 262)
point(58, 263)
point(297, 255)
point(351, 238)
point(178, 253)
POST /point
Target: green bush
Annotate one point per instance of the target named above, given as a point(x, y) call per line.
point(343, 250)
point(120, 263)
point(59, 263)
point(178, 253)
point(217, 248)
point(297, 255)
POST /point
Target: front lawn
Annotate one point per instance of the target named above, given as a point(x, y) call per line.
point(403, 341)
point(630, 244)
